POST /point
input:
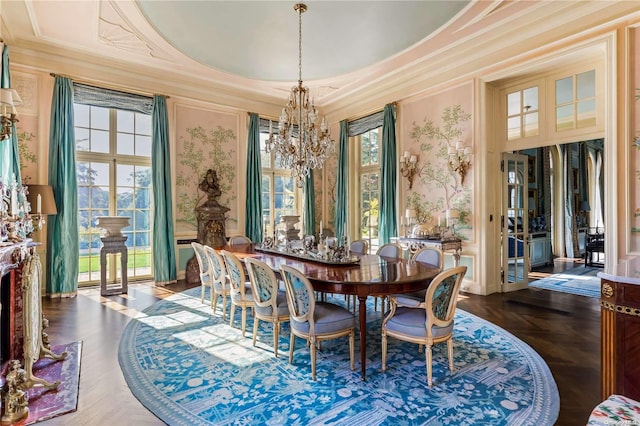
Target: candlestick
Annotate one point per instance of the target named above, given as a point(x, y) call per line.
point(39, 204)
point(320, 227)
point(14, 201)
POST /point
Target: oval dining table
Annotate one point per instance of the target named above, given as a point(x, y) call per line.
point(371, 275)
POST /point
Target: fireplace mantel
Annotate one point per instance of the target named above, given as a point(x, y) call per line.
point(12, 259)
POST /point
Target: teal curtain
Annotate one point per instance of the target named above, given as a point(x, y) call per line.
point(253, 221)
point(164, 253)
point(387, 219)
point(9, 153)
point(310, 206)
point(340, 216)
point(62, 232)
point(567, 156)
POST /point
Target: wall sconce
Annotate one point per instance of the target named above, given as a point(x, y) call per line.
point(409, 166)
point(9, 100)
point(42, 201)
point(459, 160)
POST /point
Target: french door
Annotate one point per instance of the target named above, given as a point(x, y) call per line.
point(515, 222)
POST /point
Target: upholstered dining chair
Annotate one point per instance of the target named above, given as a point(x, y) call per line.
point(220, 283)
point(241, 294)
point(205, 270)
point(314, 321)
point(359, 247)
point(239, 239)
point(431, 256)
point(390, 250)
point(430, 323)
point(270, 303)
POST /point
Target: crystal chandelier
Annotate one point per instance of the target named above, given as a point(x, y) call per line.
point(301, 144)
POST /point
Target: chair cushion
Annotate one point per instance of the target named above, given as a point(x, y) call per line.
point(411, 322)
point(329, 319)
point(281, 303)
point(219, 287)
point(248, 296)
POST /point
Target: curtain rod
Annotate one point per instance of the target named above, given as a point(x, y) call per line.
point(135, 92)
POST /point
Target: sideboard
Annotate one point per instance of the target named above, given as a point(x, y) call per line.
point(450, 245)
point(620, 329)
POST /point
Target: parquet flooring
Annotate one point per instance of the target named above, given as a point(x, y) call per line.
point(564, 329)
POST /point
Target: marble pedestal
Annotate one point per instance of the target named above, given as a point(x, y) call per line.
point(113, 245)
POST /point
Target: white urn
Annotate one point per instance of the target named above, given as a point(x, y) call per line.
point(112, 225)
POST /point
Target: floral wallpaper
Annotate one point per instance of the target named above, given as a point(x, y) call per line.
point(430, 128)
point(206, 139)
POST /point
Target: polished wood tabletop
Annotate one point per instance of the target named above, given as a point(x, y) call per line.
point(372, 275)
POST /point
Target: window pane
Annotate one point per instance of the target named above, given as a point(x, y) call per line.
point(586, 85)
point(265, 157)
point(125, 144)
point(564, 118)
point(513, 128)
point(530, 99)
point(81, 115)
point(586, 113)
point(143, 146)
point(531, 124)
point(82, 139)
point(143, 124)
point(99, 118)
point(564, 90)
point(125, 121)
point(513, 103)
point(99, 141)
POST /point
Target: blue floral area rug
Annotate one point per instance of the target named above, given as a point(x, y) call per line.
point(189, 367)
point(580, 280)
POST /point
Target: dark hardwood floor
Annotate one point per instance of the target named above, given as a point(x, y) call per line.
point(564, 329)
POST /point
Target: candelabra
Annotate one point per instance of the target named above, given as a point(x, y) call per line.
point(460, 160)
point(409, 167)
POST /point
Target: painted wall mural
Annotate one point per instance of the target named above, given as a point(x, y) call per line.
point(432, 128)
point(206, 139)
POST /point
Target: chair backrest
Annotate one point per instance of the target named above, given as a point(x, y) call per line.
point(264, 283)
point(431, 256)
point(390, 250)
point(216, 262)
point(359, 247)
point(239, 239)
point(203, 261)
point(442, 297)
point(235, 271)
point(299, 295)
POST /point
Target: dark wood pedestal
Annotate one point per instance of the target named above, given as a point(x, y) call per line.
point(211, 232)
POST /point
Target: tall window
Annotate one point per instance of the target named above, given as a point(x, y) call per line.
point(113, 162)
point(522, 113)
point(369, 177)
point(279, 196)
point(576, 101)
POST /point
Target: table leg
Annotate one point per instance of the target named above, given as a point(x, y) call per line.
point(363, 335)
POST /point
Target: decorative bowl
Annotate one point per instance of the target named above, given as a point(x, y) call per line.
point(112, 225)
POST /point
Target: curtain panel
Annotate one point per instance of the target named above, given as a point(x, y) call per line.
point(164, 253)
point(340, 215)
point(310, 206)
point(388, 175)
point(253, 205)
point(62, 232)
point(9, 152)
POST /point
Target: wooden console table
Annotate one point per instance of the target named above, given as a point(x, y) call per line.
point(620, 329)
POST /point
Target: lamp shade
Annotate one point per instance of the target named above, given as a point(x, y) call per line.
point(47, 201)
point(453, 214)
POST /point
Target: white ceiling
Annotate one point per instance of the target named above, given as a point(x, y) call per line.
point(244, 53)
